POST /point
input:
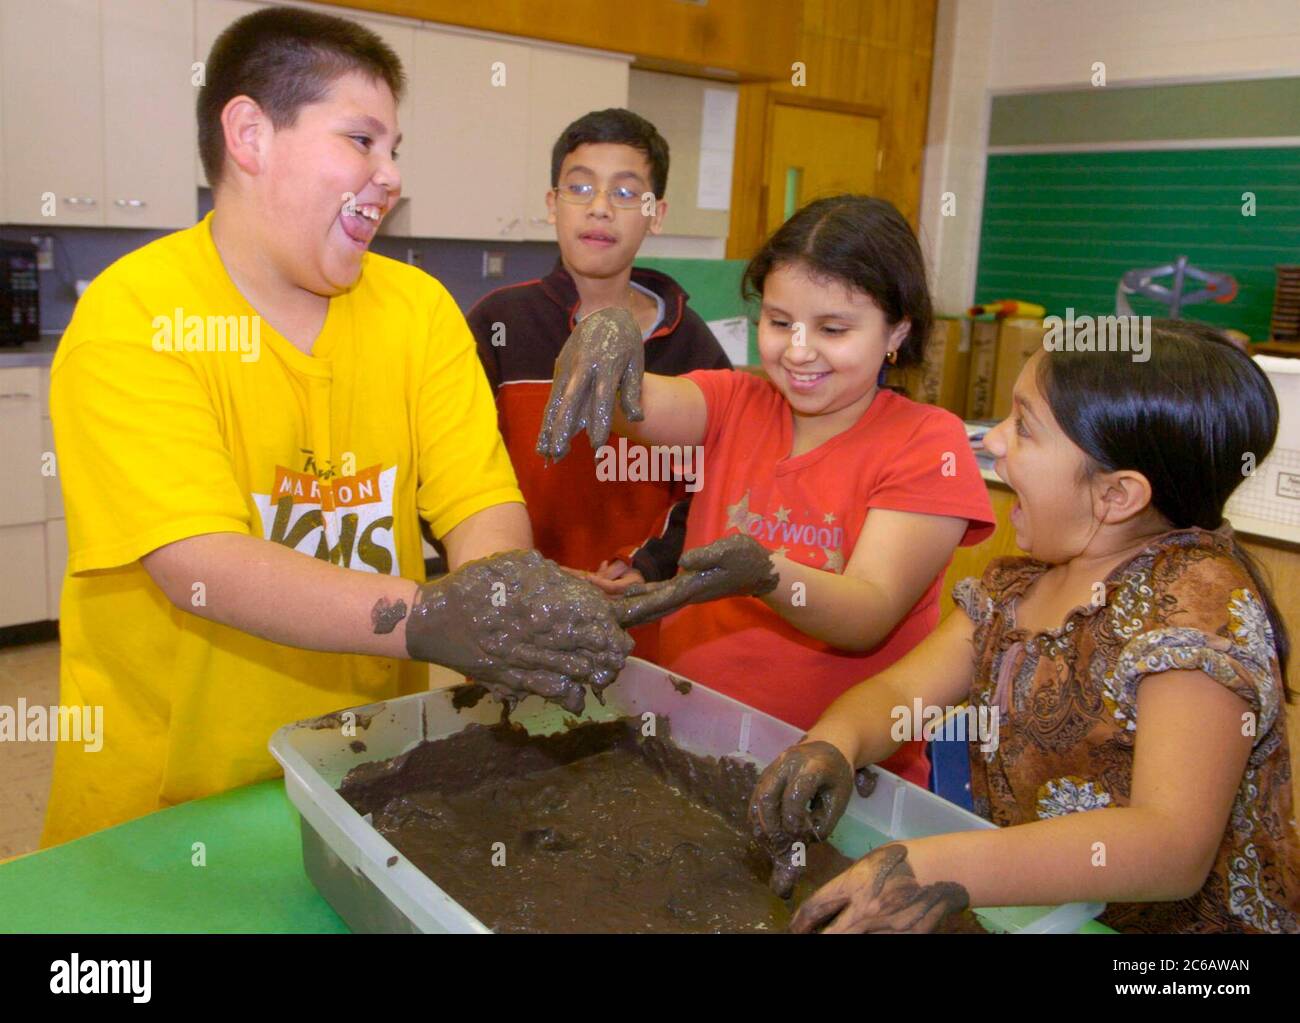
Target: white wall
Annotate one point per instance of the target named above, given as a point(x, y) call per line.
point(983, 47)
point(1053, 43)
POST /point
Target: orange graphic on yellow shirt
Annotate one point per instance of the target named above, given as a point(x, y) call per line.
point(344, 492)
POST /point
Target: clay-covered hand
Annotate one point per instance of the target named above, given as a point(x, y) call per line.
point(879, 894)
point(799, 798)
point(603, 360)
point(735, 566)
point(519, 624)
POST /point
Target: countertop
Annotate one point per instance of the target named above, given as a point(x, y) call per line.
point(37, 353)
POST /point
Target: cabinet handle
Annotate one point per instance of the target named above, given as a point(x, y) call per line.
point(79, 200)
point(510, 226)
point(538, 220)
point(133, 203)
point(16, 394)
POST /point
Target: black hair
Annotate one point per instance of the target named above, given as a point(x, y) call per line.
point(860, 241)
point(285, 58)
point(620, 127)
point(1192, 419)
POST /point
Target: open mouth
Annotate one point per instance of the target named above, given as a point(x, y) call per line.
point(801, 381)
point(360, 222)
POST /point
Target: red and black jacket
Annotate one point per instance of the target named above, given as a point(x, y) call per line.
point(577, 519)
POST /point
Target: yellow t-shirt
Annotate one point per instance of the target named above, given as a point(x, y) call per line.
point(178, 412)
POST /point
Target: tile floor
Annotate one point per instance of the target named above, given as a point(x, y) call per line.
point(32, 672)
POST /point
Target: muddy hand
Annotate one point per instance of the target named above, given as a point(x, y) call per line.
point(735, 566)
point(799, 798)
point(519, 624)
point(603, 359)
point(880, 895)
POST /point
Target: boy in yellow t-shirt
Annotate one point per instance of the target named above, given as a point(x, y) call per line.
point(259, 387)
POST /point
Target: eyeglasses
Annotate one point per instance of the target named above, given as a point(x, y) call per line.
point(583, 194)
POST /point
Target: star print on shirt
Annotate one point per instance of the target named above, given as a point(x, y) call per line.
point(834, 560)
point(829, 518)
point(739, 515)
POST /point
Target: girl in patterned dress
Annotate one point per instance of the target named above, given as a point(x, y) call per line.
point(1134, 662)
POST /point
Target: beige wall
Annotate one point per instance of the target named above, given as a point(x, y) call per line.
point(983, 47)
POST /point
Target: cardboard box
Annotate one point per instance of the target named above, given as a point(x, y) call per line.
point(983, 364)
point(1018, 340)
point(941, 379)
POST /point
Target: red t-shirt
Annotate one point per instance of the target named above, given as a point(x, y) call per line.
point(811, 509)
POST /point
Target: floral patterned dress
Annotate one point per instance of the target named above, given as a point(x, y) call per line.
point(1067, 702)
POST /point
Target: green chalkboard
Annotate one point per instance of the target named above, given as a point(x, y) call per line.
point(713, 286)
point(1060, 229)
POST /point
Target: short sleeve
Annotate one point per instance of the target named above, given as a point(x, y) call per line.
point(1210, 620)
point(970, 595)
point(140, 455)
point(463, 464)
point(719, 387)
point(935, 473)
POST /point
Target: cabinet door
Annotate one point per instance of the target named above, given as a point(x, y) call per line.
point(148, 114)
point(22, 487)
point(562, 87)
point(53, 490)
point(463, 162)
point(56, 564)
point(51, 87)
point(23, 597)
point(210, 19)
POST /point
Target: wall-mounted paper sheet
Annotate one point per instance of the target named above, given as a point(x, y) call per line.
point(733, 335)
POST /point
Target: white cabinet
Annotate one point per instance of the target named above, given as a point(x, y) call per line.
point(462, 162)
point(97, 111)
point(24, 596)
point(22, 487)
point(562, 87)
point(148, 113)
point(56, 564)
point(53, 118)
point(211, 17)
point(33, 541)
point(487, 112)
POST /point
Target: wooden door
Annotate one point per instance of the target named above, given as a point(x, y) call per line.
point(815, 153)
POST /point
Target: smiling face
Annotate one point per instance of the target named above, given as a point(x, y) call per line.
point(599, 239)
point(324, 184)
point(822, 342)
point(1055, 513)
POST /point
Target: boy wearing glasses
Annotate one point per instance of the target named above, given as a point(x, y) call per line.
point(609, 170)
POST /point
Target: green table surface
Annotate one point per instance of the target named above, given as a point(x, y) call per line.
point(139, 877)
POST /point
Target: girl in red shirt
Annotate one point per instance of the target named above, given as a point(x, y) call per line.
point(861, 494)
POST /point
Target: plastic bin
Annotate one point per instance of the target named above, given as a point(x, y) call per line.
point(375, 889)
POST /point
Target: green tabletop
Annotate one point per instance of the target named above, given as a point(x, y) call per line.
point(141, 877)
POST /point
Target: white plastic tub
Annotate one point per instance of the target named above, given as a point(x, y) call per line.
point(374, 888)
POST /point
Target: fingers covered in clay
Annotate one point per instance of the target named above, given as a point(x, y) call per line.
point(879, 894)
point(603, 356)
point(735, 566)
point(519, 624)
point(800, 797)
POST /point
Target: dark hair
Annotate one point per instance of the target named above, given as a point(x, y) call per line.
point(285, 58)
point(860, 241)
point(620, 127)
point(1186, 420)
